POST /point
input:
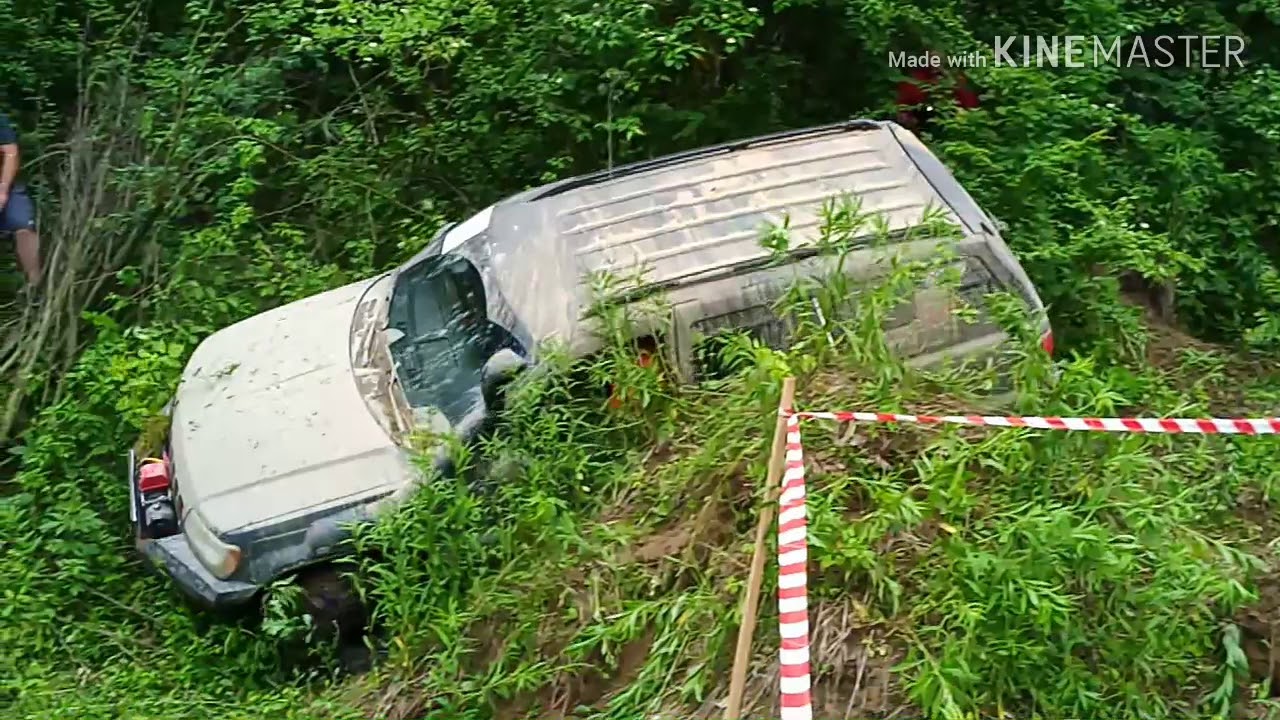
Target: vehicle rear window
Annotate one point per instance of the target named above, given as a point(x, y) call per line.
point(977, 281)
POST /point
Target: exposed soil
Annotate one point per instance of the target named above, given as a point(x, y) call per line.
point(592, 687)
point(1166, 345)
point(664, 551)
point(1260, 629)
point(854, 658)
point(669, 542)
point(398, 700)
point(338, 614)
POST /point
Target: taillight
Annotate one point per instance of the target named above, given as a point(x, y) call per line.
point(644, 360)
point(1046, 342)
point(153, 476)
point(157, 516)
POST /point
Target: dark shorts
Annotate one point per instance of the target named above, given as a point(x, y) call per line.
point(19, 213)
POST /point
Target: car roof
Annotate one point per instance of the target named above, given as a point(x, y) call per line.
point(673, 160)
point(684, 216)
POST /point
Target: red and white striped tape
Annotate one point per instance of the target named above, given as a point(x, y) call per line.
point(1253, 426)
point(793, 602)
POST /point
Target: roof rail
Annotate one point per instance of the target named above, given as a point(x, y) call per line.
point(675, 158)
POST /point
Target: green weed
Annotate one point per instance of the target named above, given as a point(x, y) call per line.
point(281, 149)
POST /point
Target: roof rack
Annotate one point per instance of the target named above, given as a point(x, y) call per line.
point(675, 158)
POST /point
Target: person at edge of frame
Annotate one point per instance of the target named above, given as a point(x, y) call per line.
point(17, 211)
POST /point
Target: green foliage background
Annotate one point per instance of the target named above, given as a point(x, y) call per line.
point(292, 146)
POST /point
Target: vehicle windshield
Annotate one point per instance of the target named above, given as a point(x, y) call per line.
point(440, 334)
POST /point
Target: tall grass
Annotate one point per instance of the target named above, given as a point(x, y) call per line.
point(955, 572)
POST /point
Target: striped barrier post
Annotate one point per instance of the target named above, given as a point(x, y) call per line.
point(793, 601)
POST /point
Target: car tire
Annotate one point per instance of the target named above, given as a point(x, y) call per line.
point(333, 603)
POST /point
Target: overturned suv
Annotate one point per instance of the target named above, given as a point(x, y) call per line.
point(291, 425)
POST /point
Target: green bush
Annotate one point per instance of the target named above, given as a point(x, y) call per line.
point(286, 148)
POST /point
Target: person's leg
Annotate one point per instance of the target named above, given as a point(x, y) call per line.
point(29, 254)
point(19, 216)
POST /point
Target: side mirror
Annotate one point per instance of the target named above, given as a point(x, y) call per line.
point(501, 368)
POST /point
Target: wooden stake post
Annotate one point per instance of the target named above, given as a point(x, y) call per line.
point(751, 600)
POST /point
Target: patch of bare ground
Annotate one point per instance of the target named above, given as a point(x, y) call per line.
point(1166, 345)
point(1259, 636)
point(1260, 622)
point(664, 554)
point(589, 687)
point(1169, 348)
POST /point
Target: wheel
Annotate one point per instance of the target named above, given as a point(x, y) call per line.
point(333, 604)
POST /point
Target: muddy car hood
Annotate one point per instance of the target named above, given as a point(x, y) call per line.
point(269, 424)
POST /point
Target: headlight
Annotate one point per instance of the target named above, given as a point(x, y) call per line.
point(221, 559)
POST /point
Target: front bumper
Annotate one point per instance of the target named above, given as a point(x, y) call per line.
point(175, 558)
point(271, 551)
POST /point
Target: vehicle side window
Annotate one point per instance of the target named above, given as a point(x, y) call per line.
point(978, 281)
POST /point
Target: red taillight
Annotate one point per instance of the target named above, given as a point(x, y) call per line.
point(1046, 342)
point(153, 476)
point(644, 360)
